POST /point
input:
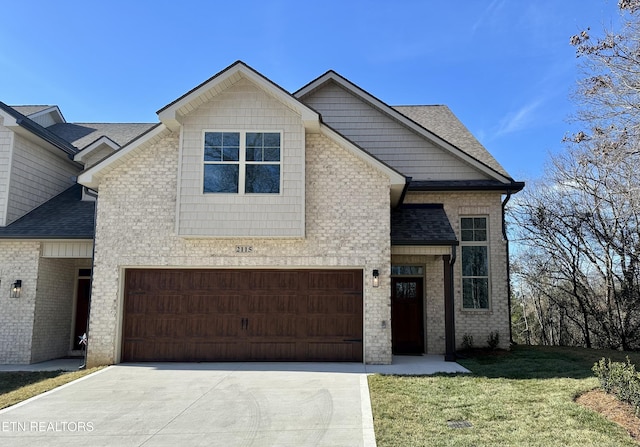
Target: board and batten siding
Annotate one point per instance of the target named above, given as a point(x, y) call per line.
point(242, 107)
point(37, 175)
point(385, 138)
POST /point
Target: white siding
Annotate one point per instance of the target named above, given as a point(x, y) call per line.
point(36, 176)
point(386, 138)
point(45, 120)
point(6, 138)
point(242, 106)
point(83, 249)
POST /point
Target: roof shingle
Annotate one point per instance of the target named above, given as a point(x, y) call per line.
point(421, 224)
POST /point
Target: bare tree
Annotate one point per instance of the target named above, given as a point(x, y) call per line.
point(580, 226)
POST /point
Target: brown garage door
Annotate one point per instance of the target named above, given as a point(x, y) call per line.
point(242, 315)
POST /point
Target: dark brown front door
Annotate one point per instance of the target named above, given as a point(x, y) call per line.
point(239, 315)
point(407, 318)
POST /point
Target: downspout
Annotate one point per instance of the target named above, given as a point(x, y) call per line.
point(449, 312)
point(93, 194)
point(506, 239)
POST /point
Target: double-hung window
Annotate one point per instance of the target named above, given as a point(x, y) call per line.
point(475, 262)
point(242, 162)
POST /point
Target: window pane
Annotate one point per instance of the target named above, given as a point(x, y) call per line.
point(467, 235)
point(272, 139)
point(466, 223)
point(479, 223)
point(474, 261)
point(272, 154)
point(212, 154)
point(264, 179)
point(221, 178)
point(475, 293)
point(480, 235)
point(231, 139)
point(254, 154)
point(254, 139)
point(213, 139)
point(231, 153)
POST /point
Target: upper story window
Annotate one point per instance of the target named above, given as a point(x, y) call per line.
point(475, 262)
point(242, 162)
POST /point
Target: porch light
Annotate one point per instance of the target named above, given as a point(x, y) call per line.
point(16, 288)
point(376, 278)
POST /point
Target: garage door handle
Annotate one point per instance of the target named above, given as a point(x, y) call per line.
point(244, 322)
point(353, 340)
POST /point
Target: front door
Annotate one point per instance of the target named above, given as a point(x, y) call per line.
point(407, 318)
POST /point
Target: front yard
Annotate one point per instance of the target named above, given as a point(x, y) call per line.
point(521, 398)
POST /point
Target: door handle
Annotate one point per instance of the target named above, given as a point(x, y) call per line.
point(244, 323)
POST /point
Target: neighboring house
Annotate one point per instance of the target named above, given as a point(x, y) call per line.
point(251, 224)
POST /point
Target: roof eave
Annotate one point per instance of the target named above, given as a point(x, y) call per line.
point(171, 115)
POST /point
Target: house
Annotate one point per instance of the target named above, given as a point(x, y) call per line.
point(251, 223)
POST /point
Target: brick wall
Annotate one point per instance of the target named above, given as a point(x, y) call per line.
point(53, 309)
point(18, 260)
point(477, 323)
point(347, 225)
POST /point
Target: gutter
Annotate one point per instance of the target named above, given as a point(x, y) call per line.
point(506, 239)
point(449, 309)
point(92, 193)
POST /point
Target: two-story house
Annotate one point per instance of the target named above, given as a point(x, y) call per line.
point(251, 223)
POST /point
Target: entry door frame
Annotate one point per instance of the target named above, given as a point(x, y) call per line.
point(423, 328)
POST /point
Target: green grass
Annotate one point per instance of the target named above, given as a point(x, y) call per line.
point(522, 398)
point(21, 385)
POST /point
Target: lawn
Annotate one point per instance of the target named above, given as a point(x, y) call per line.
point(21, 385)
point(521, 398)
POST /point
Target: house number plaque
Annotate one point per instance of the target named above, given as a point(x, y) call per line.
point(244, 248)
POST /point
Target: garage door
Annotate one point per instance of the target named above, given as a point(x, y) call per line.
point(242, 315)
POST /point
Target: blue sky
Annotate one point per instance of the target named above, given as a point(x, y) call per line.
point(504, 67)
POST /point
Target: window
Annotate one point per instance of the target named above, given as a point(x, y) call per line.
point(475, 263)
point(407, 270)
point(247, 162)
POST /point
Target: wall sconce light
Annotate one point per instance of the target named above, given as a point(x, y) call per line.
point(16, 289)
point(376, 278)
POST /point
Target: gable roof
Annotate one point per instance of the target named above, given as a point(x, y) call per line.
point(486, 163)
point(15, 119)
point(171, 114)
point(65, 216)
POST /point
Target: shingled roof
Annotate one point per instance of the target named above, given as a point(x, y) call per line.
point(421, 224)
point(83, 134)
point(65, 216)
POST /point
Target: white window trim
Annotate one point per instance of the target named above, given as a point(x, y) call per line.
point(242, 162)
point(485, 243)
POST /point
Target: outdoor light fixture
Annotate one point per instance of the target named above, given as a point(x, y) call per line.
point(16, 288)
point(376, 278)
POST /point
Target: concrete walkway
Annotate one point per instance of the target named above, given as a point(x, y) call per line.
point(192, 404)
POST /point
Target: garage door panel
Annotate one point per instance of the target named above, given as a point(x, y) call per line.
point(273, 351)
point(207, 280)
point(214, 304)
point(232, 315)
point(335, 280)
point(209, 351)
point(323, 351)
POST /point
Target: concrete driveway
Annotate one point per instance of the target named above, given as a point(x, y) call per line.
point(208, 404)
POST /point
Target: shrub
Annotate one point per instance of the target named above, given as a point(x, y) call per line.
point(467, 342)
point(493, 340)
point(620, 379)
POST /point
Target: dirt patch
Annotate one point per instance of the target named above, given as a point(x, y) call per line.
point(613, 409)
